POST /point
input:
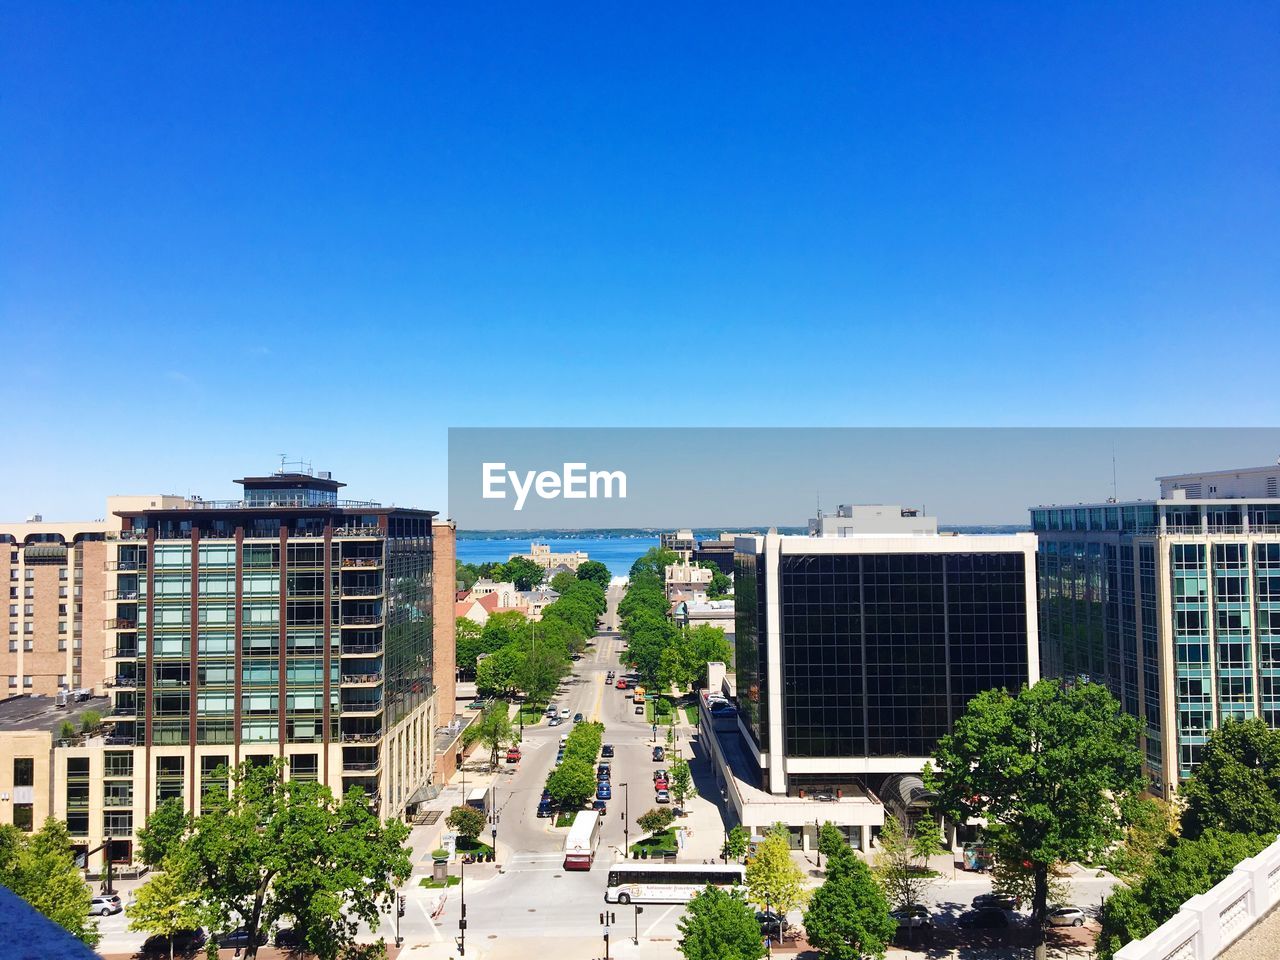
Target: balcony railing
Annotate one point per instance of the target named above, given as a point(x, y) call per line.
point(361, 679)
point(121, 710)
point(361, 737)
point(124, 566)
point(121, 683)
point(362, 706)
point(362, 561)
point(357, 531)
point(360, 766)
point(120, 595)
point(120, 623)
point(361, 619)
point(361, 649)
point(120, 653)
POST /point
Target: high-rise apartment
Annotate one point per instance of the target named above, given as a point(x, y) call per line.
point(286, 624)
point(1173, 603)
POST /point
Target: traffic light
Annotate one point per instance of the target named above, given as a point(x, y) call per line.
point(400, 906)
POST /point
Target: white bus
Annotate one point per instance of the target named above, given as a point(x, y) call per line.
point(637, 882)
point(580, 845)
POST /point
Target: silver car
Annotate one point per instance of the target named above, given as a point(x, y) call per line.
point(1066, 917)
point(105, 905)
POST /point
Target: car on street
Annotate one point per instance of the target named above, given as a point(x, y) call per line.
point(560, 756)
point(238, 939)
point(553, 710)
point(621, 684)
point(600, 807)
point(545, 808)
point(513, 755)
point(987, 918)
point(565, 713)
point(911, 916)
point(662, 796)
point(554, 722)
point(603, 792)
point(602, 772)
point(661, 785)
point(659, 754)
point(772, 923)
point(639, 708)
point(577, 718)
point(1065, 917)
point(185, 943)
point(105, 904)
point(659, 774)
point(609, 677)
point(606, 750)
point(288, 938)
point(546, 795)
point(1001, 901)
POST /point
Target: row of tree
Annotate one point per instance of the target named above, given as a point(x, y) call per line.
point(572, 782)
point(525, 574)
point(662, 653)
point(267, 851)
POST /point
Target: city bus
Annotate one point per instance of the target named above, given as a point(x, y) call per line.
point(635, 881)
point(580, 844)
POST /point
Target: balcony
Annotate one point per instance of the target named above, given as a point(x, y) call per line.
point(123, 711)
point(362, 706)
point(361, 737)
point(357, 532)
point(361, 679)
point(362, 561)
point(360, 766)
point(362, 620)
point(120, 653)
point(361, 649)
point(360, 590)
point(120, 595)
point(120, 623)
point(124, 566)
point(121, 683)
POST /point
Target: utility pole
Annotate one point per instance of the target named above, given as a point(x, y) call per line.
point(605, 920)
point(626, 821)
point(399, 914)
point(462, 921)
point(636, 940)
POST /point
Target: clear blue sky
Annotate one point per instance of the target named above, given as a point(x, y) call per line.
point(229, 231)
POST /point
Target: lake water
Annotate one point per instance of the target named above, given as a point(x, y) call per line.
point(616, 553)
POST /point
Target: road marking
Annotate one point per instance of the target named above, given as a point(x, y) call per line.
point(595, 713)
point(435, 931)
point(665, 913)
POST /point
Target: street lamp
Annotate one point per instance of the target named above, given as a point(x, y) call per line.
point(462, 895)
point(817, 840)
point(636, 940)
point(399, 914)
point(605, 920)
point(626, 821)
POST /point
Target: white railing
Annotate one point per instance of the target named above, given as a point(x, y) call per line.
point(1209, 923)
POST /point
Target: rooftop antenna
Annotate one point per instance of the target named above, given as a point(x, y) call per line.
point(1114, 494)
point(282, 456)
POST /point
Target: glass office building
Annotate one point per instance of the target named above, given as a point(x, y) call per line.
point(1174, 604)
point(855, 653)
point(288, 624)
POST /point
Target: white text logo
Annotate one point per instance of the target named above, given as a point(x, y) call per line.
point(575, 482)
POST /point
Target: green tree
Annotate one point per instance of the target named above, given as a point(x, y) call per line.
point(1184, 868)
point(522, 572)
point(773, 879)
point(166, 904)
point(468, 644)
point(1151, 826)
point(540, 671)
point(492, 730)
point(164, 831)
point(596, 572)
point(653, 562)
point(681, 782)
point(1012, 876)
point(735, 845)
point(719, 925)
point(721, 583)
point(656, 820)
point(902, 859)
point(467, 575)
point(572, 783)
point(1236, 787)
point(40, 868)
point(498, 674)
point(1052, 765)
point(90, 721)
point(562, 581)
point(275, 848)
point(831, 840)
point(848, 916)
point(701, 645)
point(466, 821)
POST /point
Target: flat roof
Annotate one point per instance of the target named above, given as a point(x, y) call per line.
point(42, 713)
point(1238, 471)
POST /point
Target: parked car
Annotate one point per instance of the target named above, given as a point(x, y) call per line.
point(600, 807)
point(513, 755)
point(577, 718)
point(912, 916)
point(554, 722)
point(289, 938)
point(659, 754)
point(659, 774)
point(1001, 901)
point(544, 808)
point(1065, 917)
point(238, 939)
point(185, 943)
point(639, 709)
point(602, 772)
point(546, 796)
point(105, 904)
point(606, 750)
point(988, 918)
point(772, 923)
point(722, 709)
point(662, 796)
point(661, 784)
point(603, 792)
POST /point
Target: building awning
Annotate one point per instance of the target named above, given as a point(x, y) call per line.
point(906, 791)
point(426, 792)
point(44, 552)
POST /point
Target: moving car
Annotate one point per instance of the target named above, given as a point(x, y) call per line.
point(1065, 917)
point(544, 808)
point(606, 750)
point(912, 916)
point(659, 754)
point(600, 807)
point(621, 684)
point(1001, 901)
point(577, 718)
point(553, 710)
point(105, 904)
point(661, 784)
point(662, 796)
point(603, 792)
point(513, 755)
point(565, 713)
point(554, 722)
point(659, 774)
point(988, 918)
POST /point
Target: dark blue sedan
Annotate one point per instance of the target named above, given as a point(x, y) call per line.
point(602, 791)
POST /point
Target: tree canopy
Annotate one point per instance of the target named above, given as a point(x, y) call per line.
point(166, 904)
point(1052, 766)
point(773, 879)
point(719, 925)
point(1236, 786)
point(902, 859)
point(466, 821)
point(165, 828)
point(848, 916)
point(492, 729)
point(596, 572)
point(40, 868)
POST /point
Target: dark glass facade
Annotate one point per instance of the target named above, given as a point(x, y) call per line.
point(881, 652)
point(751, 654)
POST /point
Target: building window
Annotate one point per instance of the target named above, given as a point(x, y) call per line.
point(24, 772)
point(13, 682)
point(169, 773)
point(26, 683)
point(304, 766)
point(22, 816)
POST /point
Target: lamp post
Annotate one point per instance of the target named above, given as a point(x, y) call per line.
point(605, 920)
point(399, 914)
point(462, 921)
point(636, 939)
point(626, 821)
point(817, 840)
